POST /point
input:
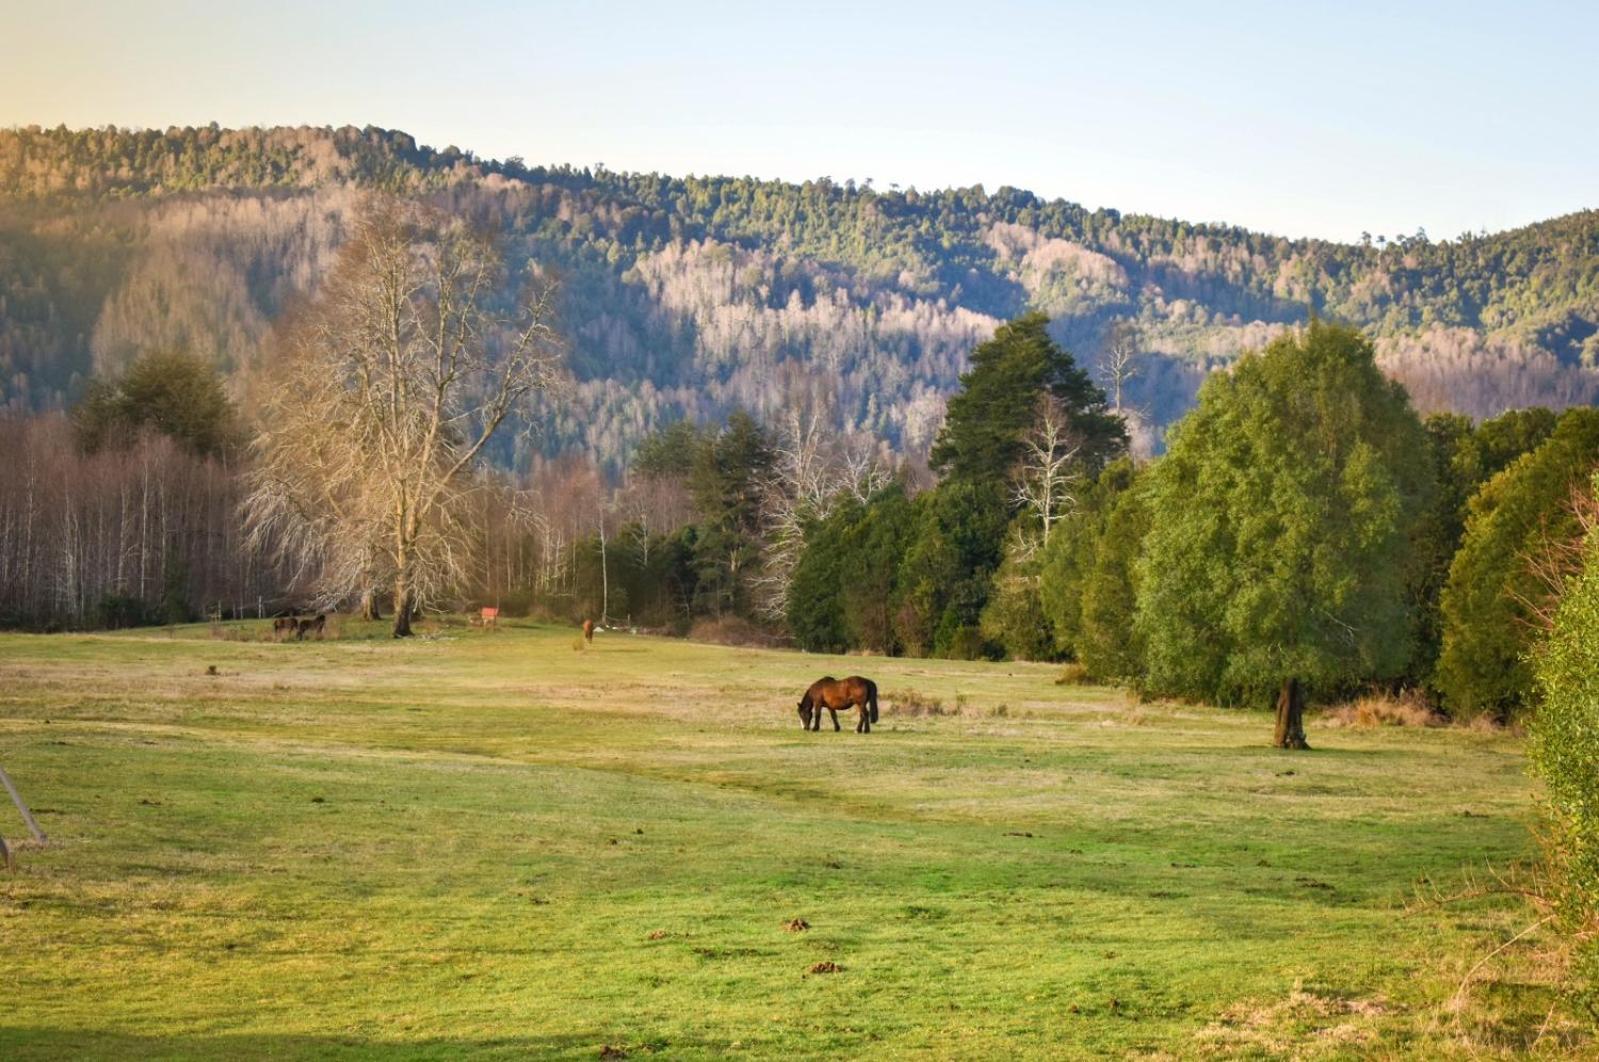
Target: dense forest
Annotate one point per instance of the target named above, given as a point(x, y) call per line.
point(690, 297)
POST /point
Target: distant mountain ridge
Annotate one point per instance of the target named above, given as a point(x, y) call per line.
point(688, 296)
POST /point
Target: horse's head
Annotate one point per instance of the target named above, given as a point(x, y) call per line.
point(805, 713)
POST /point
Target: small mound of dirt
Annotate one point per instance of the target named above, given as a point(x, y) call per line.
point(612, 1052)
point(827, 966)
point(796, 925)
point(655, 934)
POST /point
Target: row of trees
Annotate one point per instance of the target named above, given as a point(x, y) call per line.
point(1307, 534)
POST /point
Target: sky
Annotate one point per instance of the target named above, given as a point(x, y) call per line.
point(1327, 120)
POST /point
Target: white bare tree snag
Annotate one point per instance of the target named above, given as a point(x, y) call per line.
point(1046, 475)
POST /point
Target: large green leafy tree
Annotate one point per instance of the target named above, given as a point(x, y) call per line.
point(1487, 603)
point(1565, 752)
point(994, 409)
point(1279, 526)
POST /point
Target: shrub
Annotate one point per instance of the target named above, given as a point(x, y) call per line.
point(1565, 752)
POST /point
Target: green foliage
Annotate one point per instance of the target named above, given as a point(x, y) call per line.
point(1070, 555)
point(844, 592)
point(672, 452)
point(1565, 754)
point(869, 570)
point(817, 614)
point(1464, 457)
point(175, 394)
point(116, 611)
point(726, 479)
point(943, 581)
point(988, 418)
point(1279, 526)
point(1109, 644)
point(1513, 520)
point(1014, 618)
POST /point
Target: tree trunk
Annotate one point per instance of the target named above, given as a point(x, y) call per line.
point(402, 612)
point(1291, 716)
point(369, 605)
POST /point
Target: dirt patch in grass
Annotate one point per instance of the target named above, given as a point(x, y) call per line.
point(796, 925)
point(827, 966)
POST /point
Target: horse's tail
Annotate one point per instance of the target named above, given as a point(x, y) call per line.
point(871, 697)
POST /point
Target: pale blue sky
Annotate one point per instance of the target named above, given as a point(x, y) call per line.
point(1315, 119)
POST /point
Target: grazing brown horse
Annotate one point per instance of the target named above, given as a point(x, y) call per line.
point(588, 631)
point(311, 626)
point(832, 695)
point(285, 625)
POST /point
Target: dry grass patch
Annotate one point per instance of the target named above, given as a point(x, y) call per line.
point(1408, 708)
point(914, 703)
point(1305, 1024)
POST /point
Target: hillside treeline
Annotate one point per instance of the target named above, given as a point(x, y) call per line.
point(693, 297)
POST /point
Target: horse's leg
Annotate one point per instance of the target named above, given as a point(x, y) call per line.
point(866, 717)
point(834, 713)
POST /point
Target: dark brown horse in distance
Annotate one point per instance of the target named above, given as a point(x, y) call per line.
point(832, 695)
point(588, 631)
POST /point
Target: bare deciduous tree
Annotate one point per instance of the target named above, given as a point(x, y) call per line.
point(1118, 365)
point(389, 390)
point(1046, 476)
point(814, 468)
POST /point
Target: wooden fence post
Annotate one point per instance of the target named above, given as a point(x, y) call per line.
point(16, 797)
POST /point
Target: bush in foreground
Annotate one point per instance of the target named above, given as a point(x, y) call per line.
point(1565, 753)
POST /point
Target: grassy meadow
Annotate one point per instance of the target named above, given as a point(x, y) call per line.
point(500, 843)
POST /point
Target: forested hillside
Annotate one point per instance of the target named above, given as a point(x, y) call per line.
point(692, 296)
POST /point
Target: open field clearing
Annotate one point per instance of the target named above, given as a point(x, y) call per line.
point(493, 842)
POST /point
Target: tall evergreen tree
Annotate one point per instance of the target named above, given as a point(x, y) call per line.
point(988, 418)
point(726, 480)
point(1280, 519)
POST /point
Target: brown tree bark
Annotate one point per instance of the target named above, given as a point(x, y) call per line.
point(1291, 716)
point(402, 613)
point(369, 605)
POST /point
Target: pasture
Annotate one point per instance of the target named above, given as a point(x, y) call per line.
point(491, 841)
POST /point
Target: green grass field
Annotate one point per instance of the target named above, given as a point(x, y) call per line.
point(493, 842)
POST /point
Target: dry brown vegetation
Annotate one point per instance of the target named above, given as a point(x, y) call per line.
point(1407, 708)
